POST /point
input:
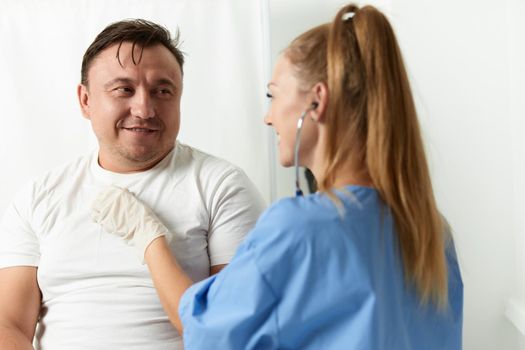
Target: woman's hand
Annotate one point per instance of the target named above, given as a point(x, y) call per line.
point(119, 212)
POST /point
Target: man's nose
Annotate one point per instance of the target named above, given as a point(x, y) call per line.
point(142, 105)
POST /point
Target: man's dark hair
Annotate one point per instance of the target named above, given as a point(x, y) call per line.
point(136, 31)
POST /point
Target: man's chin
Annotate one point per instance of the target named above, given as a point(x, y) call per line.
point(141, 156)
point(146, 154)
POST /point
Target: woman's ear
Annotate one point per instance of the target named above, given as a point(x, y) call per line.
point(320, 102)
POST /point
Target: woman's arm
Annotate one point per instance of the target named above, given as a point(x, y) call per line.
point(169, 278)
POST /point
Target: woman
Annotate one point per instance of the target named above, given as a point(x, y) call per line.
point(365, 263)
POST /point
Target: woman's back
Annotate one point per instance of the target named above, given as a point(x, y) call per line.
point(338, 281)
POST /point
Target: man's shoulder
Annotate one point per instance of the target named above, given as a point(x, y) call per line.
point(64, 172)
point(213, 174)
point(52, 182)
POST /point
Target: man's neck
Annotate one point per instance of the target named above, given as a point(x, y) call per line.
point(128, 166)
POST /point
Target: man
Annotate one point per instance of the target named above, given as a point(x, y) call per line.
point(85, 288)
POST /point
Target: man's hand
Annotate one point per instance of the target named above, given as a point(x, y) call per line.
point(119, 212)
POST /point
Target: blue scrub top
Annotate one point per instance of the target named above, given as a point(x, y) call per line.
point(311, 277)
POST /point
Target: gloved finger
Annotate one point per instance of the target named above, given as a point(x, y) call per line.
point(104, 202)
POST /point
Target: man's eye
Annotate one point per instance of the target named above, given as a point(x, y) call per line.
point(269, 95)
point(124, 90)
point(164, 92)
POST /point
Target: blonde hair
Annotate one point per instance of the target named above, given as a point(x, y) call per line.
point(372, 126)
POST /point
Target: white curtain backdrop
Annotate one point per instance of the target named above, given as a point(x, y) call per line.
point(223, 103)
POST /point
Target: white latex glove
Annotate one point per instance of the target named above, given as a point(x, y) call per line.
point(119, 212)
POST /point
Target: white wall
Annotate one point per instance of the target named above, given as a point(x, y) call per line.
point(465, 60)
point(516, 29)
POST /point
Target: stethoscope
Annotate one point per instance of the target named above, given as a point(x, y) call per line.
point(298, 191)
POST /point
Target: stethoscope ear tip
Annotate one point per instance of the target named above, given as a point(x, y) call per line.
point(314, 105)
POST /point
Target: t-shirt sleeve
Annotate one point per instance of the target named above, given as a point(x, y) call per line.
point(234, 309)
point(235, 206)
point(19, 244)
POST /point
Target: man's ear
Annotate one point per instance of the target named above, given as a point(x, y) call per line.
point(83, 100)
point(320, 97)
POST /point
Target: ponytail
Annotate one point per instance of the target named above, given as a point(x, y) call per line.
point(396, 159)
point(372, 126)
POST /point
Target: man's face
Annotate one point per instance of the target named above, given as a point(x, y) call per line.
point(134, 109)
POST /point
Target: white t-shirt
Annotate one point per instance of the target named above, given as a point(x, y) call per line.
point(96, 294)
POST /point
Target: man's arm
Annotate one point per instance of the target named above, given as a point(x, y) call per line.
point(234, 210)
point(19, 307)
